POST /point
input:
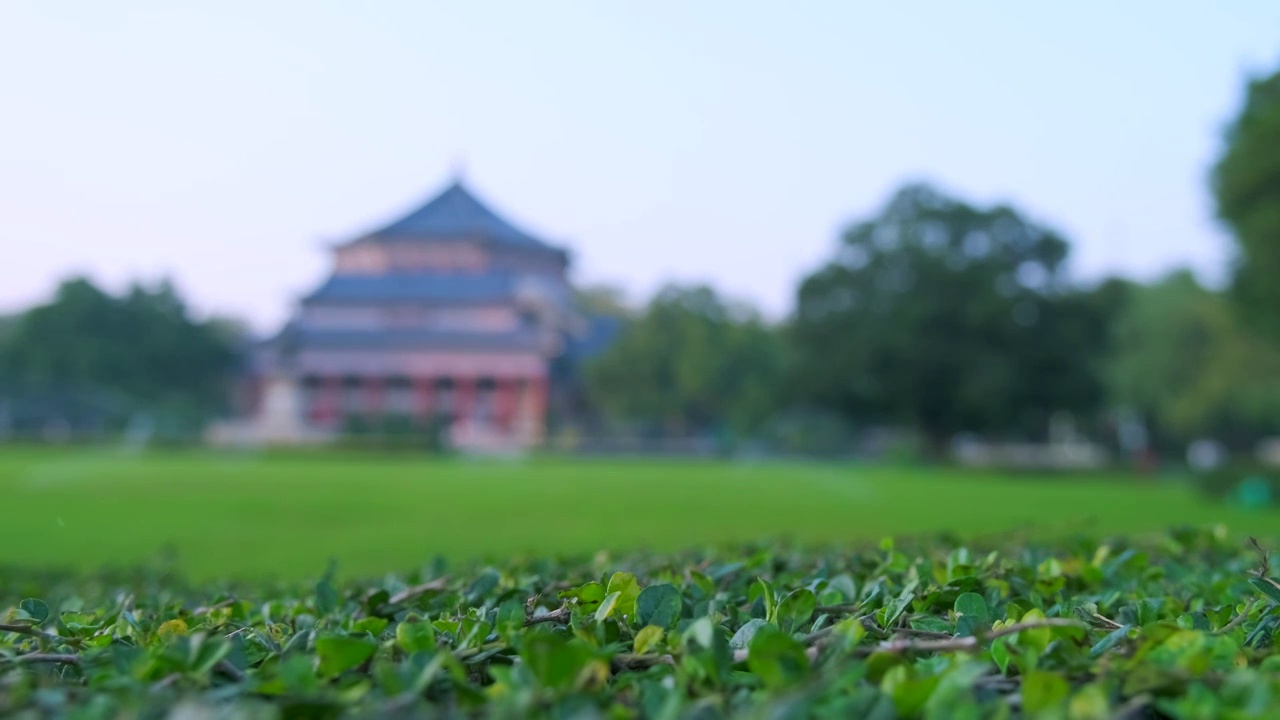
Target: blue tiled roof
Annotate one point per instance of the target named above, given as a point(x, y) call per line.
point(455, 214)
point(416, 287)
point(300, 335)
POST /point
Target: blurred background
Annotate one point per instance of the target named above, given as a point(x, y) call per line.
point(933, 235)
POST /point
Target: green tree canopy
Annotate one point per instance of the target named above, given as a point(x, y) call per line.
point(948, 317)
point(1187, 364)
point(692, 361)
point(603, 300)
point(1246, 183)
point(137, 351)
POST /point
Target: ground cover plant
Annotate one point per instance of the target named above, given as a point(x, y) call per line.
point(1178, 625)
point(287, 516)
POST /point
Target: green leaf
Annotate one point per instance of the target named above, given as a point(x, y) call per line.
point(1043, 691)
point(974, 616)
point(1267, 587)
point(972, 605)
point(372, 625)
point(35, 609)
point(483, 585)
point(742, 639)
point(1113, 638)
point(910, 693)
point(702, 631)
point(428, 672)
point(763, 589)
point(1000, 654)
point(889, 614)
point(207, 653)
point(510, 618)
point(776, 658)
point(326, 597)
point(851, 630)
point(339, 652)
point(1090, 703)
point(588, 595)
point(628, 590)
point(1036, 639)
point(648, 638)
point(796, 609)
point(1262, 632)
point(658, 605)
point(608, 605)
point(553, 660)
point(414, 637)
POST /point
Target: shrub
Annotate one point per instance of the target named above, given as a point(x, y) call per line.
point(1180, 627)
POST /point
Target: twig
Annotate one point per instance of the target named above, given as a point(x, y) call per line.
point(933, 634)
point(867, 621)
point(560, 615)
point(1135, 707)
point(814, 637)
point(1265, 569)
point(1269, 580)
point(744, 654)
point(999, 683)
point(216, 606)
point(838, 609)
point(963, 644)
point(1238, 620)
point(34, 658)
point(37, 633)
point(632, 661)
point(967, 644)
point(1105, 621)
point(471, 652)
point(404, 596)
point(408, 594)
point(166, 682)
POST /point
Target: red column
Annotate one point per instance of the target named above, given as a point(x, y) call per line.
point(538, 390)
point(504, 400)
point(465, 388)
point(327, 407)
point(423, 388)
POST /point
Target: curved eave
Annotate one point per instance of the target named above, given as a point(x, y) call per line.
point(513, 341)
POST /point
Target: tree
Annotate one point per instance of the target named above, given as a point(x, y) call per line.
point(91, 352)
point(1187, 365)
point(1246, 184)
point(602, 300)
point(948, 318)
point(691, 362)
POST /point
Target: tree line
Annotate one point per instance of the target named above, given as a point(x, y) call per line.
point(935, 315)
point(940, 316)
point(93, 362)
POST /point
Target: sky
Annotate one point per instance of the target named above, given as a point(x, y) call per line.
point(228, 145)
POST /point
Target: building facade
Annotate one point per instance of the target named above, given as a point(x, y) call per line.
point(450, 315)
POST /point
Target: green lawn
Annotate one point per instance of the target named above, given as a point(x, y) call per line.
point(287, 515)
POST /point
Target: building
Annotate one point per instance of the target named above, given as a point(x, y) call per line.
point(451, 317)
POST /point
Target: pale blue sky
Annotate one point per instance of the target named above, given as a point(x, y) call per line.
point(225, 143)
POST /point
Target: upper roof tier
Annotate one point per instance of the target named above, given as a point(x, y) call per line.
point(456, 214)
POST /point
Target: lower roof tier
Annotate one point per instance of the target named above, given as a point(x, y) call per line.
point(300, 336)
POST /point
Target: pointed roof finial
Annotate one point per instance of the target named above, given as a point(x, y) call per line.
point(459, 169)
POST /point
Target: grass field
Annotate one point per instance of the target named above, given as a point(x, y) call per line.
point(287, 515)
